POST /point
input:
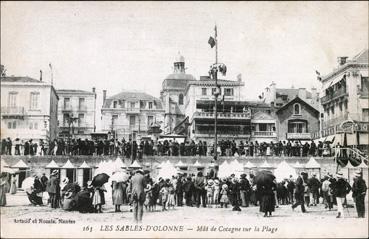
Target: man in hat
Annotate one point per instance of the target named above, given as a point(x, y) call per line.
point(299, 193)
point(137, 187)
point(341, 189)
point(314, 185)
point(53, 188)
point(358, 194)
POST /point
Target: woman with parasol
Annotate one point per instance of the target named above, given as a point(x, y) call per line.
point(98, 196)
point(265, 187)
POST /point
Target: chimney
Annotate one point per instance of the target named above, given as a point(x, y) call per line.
point(40, 75)
point(342, 60)
point(93, 89)
point(104, 96)
point(302, 93)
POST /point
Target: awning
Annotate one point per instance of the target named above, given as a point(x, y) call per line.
point(68, 165)
point(20, 164)
point(52, 164)
point(84, 165)
point(363, 139)
point(329, 138)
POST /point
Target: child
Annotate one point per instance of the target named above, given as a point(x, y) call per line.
point(98, 198)
point(164, 196)
point(171, 200)
point(224, 196)
point(148, 198)
point(216, 193)
point(209, 192)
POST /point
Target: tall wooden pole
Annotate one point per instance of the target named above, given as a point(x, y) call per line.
point(216, 97)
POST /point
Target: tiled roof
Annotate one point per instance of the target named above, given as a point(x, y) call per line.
point(131, 95)
point(291, 93)
point(20, 79)
point(362, 57)
point(297, 99)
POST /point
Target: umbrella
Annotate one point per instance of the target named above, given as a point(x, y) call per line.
point(100, 179)
point(73, 187)
point(120, 177)
point(264, 177)
point(28, 183)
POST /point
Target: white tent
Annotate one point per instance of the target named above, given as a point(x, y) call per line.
point(135, 164)
point(362, 165)
point(249, 165)
point(312, 163)
point(298, 165)
point(20, 164)
point(119, 164)
point(266, 165)
point(161, 165)
point(167, 171)
point(180, 164)
point(198, 164)
point(84, 165)
point(224, 170)
point(52, 164)
point(236, 167)
point(69, 165)
point(284, 170)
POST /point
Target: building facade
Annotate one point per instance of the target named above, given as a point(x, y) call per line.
point(173, 95)
point(76, 113)
point(344, 99)
point(131, 115)
point(29, 109)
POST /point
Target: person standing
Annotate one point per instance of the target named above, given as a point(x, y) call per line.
point(200, 192)
point(358, 193)
point(244, 190)
point(137, 187)
point(188, 189)
point(326, 193)
point(179, 191)
point(53, 188)
point(314, 185)
point(13, 184)
point(267, 202)
point(117, 196)
point(3, 180)
point(341, 189)
point(299, 193)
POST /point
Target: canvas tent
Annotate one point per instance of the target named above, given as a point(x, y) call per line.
point(284, 170)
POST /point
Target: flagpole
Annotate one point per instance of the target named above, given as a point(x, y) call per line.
point(216, 96)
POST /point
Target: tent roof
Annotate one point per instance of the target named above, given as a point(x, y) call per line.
point(298, 165)
point(20, 164)
point(4, 164)
point(363, 165)
point(284, 170)
point(198, 164)
point(180, 164)
point(249, 165)
point(312, 163)
point(135, 164)
point(266, 165)
point(68, 164)
point(84, 165)
point(52, 164)
point(119, 163)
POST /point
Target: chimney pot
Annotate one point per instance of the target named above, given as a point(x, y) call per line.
point(342, 60)
point(93, 89)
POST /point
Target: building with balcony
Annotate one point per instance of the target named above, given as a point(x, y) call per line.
point(28, 109)
point(173, 93)
point(264, 126)
point(344, 100)
point(131, 115)
point(297, 120)
point(76, 113)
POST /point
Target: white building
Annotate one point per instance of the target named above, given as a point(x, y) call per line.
point(76, 113)
point(130, 114)
point(344, 98)
point(29, 109)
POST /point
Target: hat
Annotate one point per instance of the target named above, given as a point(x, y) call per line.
point(357, 174)
point(224, 186)
point(54, 172)
point(66, 180)
point(140, 171)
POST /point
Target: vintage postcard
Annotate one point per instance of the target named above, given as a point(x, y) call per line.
point(184, 119)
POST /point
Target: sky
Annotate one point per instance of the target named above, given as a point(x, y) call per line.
point(132, 45)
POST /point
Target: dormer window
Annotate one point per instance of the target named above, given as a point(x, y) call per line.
point(115, 103)
point(297, 109)
point(150, 105)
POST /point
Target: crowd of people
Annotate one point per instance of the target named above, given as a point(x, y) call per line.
point(167, 147)
point(141, 192)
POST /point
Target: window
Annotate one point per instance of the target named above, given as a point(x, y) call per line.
point(296, 109)
point(150, 120)
point(228, 91)
point(66, 103)
point(81, 118)
point(65, 119)
point(12, 101)
point(34, 100)
point(213, 90)
point(114, 119)
point(262, 127)
point(203, 91)
point(133, 105)
point(365, 114)
point(150, 105)
point(30, 125)
point(14, 124)
point(9, 125)
point(142, 104)
point(35, 125)
point(180, 99)
point(115, 103)
point(132, 120)
point(81, 103)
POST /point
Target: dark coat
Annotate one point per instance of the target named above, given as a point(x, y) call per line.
point(137, 187)
point(313, 184)
point(358, 188)
point(53, 185)
point(341, 188)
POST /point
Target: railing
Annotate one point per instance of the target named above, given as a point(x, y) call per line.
point(336, 94)
point(352, 153)
point(298, 135)
point(12, 111)
point(264, 133)
point(223, 115)
point(133, 110)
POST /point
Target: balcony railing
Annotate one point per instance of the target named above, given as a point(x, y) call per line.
point(263, 134)
point(336, 94)
point(222, 115)
point(133, 110)
point(12, 111)
point(335, 121)
point(298, 135)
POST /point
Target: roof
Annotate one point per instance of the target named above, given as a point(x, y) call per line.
point(177, 80)
point(52, 164)
point(20, 164)
point(68, 164)
point(297, 99)
point(72, 91)
point(291, 93)
point(132, 95)
point(20, 79)
point(362, 57)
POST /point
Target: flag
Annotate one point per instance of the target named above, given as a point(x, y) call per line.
point(211, 42)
